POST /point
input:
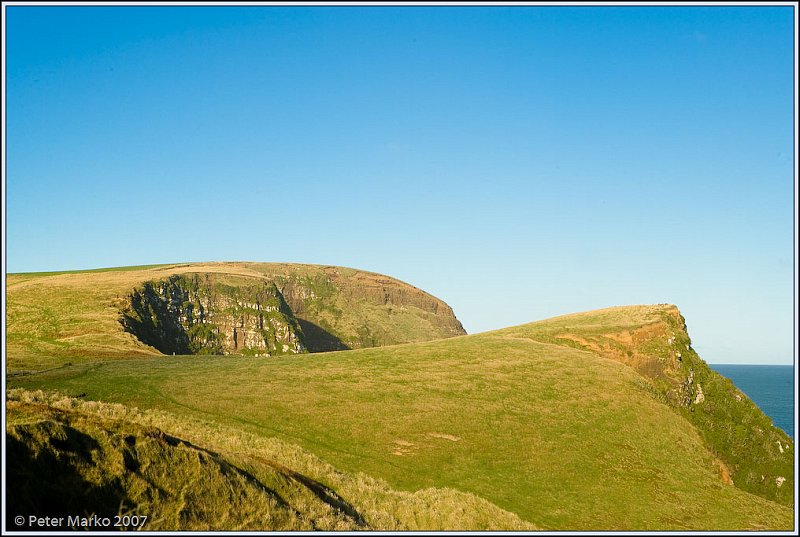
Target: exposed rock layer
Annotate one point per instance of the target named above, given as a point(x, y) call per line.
point(343, 308)
point(199, 314)
point(268, 309)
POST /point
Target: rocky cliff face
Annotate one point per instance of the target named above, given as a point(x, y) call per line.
point(218, 307)
point(282, 308)
point(346, 309)
point(208, 314)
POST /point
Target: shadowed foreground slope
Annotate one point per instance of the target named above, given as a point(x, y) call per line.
point(69, 457)
point(554, 430)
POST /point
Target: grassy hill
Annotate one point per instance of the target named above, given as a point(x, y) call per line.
point(70, 317)
point(756, 456)
point(579, 422)
point(119, 460)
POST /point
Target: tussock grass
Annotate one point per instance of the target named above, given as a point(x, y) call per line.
point(193, 474)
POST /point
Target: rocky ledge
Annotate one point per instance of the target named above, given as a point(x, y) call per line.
point(204, 314)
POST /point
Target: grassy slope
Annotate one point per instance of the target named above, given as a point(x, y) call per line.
point(73, 317)
point(653, 340)
point(67, 455)
point(560, 436)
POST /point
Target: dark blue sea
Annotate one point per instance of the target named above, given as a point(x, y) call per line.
point(771, 387)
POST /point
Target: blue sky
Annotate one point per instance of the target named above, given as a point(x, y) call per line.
point(517, 162)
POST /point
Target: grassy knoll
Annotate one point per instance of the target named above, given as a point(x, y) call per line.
point(559, 435)
point(74, 316)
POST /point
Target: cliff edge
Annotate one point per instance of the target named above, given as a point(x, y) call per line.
point(754, 455)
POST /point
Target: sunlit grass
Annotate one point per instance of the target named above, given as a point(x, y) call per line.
point(559, 436)
point(191, 474)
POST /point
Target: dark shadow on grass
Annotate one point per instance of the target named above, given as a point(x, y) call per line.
point(47, 482)
point(323, 493)
point(224, 466)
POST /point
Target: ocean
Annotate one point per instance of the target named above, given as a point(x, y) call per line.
point(771, 387)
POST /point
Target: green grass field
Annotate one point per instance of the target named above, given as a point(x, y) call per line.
point(561, 437)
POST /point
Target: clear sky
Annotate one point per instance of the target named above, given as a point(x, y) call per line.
point(517, 162)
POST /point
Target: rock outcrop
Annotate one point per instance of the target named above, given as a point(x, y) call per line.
point(202, 314)
point(342, 308)
point(214, 308)
point(281, 309)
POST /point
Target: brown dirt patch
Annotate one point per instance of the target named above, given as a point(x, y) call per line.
point(445, 436)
